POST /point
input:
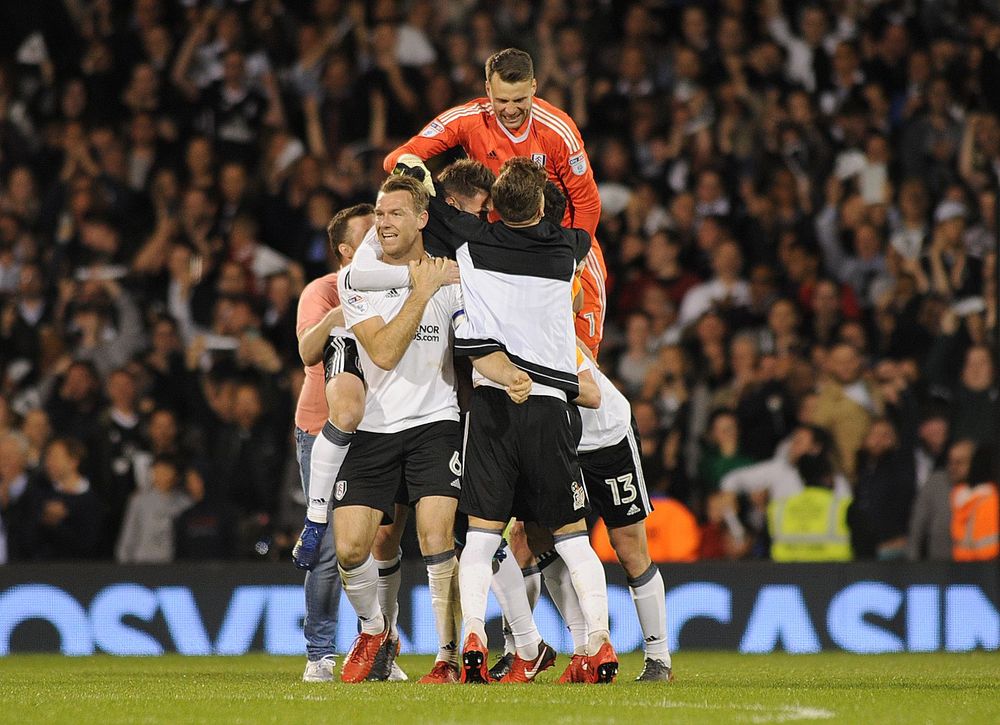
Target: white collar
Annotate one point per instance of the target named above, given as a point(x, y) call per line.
point(512, 137)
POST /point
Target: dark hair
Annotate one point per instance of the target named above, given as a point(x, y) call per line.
point(336, 230)
point(815, 470)
point(982, 468)
point(511, 64)
point(555, 204)
point(419, 196)
point(518, 191)
point(467, 177)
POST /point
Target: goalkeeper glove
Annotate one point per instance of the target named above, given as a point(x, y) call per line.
point(413, 165)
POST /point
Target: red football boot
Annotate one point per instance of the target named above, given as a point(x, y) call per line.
point(474, 656)
point(525, 671)
point(574, 671)
point(602, 668)
point(443, 673)
point(367, 648)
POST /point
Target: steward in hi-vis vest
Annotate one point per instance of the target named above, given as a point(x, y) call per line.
point(811, 525)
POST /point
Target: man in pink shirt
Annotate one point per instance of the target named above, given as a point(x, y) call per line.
point(323, 433)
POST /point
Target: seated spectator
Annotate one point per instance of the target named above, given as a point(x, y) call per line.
point(931, 452)
point(722, 452)
point(13, 484)
point(636, 359)
point(883, 494)
point(724, 291)
point(847, 403)
point(65, 514)
point(975, 401)
point(779, 477)
point(975, 512)
point(953, 273)
point(107, 342)
point(75, 404)
point(38, 431)
point(147, 535)
point(812, 524)
point(929, 533)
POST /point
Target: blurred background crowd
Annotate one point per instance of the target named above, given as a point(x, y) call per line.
point(799, 220)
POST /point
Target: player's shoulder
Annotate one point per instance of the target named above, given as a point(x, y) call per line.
point(321, 286)
point(464, 113)
point(557, 124)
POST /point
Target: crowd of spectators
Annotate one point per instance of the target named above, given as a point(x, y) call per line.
point(799, 220)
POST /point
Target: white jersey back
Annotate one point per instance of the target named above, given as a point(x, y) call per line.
point(610, 423)
point(421, 388)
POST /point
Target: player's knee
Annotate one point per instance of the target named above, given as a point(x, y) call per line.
point(386, 545)
point(347, 417)
point(630, 546)
point(436, 540)
point(351, 554)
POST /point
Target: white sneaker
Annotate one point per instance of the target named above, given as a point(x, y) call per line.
point(396, 674)
point(321, 670)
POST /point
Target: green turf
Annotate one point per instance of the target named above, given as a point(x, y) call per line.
point(710, 687)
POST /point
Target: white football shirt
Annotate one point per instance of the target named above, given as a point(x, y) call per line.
point(421, 388)
point(608, 424)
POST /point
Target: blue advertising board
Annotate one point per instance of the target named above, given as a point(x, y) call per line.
point(233, 608)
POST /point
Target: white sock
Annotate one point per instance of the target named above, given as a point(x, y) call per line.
point(442, 577)
point(509, 647)
point(587, 574)
point(361, 588)
point(532, 584)
point(508, 586)
point(650, 606)
point(475, 570)
point(328, 453)
point(560, 587)
point(533, 587)
point(389, 578)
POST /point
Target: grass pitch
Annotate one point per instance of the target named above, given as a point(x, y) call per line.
point(710, 687)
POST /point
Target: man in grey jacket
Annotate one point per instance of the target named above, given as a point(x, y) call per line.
point(930, 521)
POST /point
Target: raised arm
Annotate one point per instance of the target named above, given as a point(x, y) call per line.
point(572, 165)
point(368, 272)
point(444, 132)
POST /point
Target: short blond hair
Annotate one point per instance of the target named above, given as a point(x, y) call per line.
point(418, 193)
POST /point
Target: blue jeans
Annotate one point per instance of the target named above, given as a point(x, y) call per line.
point(323, 582)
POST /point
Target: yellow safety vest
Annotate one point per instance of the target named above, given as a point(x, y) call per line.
point(809, 526)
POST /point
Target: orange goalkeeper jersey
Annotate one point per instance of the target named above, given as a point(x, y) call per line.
point(551, 139)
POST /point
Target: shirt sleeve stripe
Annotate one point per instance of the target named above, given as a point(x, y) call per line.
point(456, 113)
point(557, 125)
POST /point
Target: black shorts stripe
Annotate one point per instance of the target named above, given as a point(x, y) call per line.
point(340, 355)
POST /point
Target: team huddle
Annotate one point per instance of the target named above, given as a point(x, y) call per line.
point(481, 292)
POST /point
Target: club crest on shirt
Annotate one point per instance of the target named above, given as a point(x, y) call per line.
point(539, 159)
point(340, 490)
point(578, 164)
point(358, 302)
point(432, 129)
point(579, 495)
